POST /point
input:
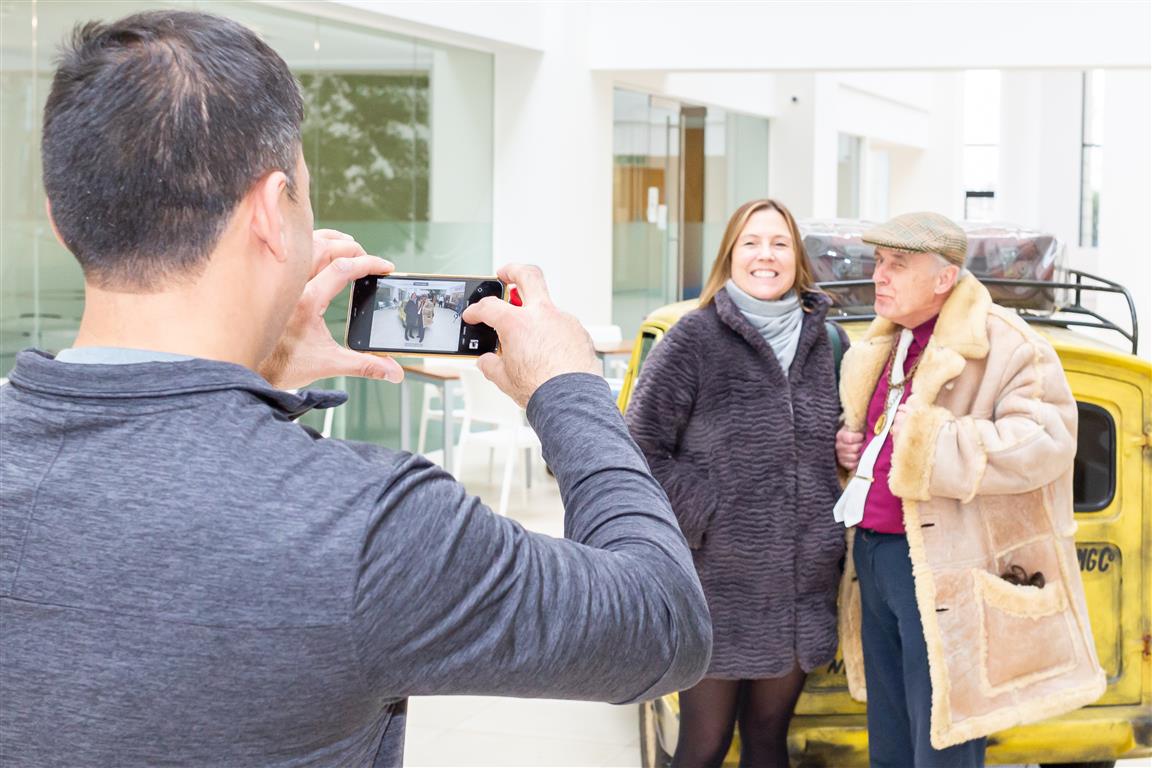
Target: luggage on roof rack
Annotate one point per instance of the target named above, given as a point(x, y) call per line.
point(1000, 251)
point(1021, 269)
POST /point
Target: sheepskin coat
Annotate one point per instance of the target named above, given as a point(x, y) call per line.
point(983, 466)
point(747, 456)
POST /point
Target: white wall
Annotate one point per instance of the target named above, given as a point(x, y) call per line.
point(798, 139)
point(482, 25)
point(797, 35)
point(930, 179)
point(1126, 191)
point(749, 92)
point(1040, 151)
point(913, 118)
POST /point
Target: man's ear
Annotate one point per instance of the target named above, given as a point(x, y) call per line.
point(267, 198)
point(946, 278)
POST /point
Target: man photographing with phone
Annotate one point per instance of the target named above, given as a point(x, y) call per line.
point(187, 576)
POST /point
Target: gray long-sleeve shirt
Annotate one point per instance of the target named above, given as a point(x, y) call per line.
point(187, 577)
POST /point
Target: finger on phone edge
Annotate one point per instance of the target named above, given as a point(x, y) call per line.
point(490, 311)
point(334, 278)
point(528, 278)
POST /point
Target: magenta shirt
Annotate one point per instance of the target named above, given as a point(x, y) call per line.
point(883, 512)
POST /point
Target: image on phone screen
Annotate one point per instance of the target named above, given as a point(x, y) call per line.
point(419, 315)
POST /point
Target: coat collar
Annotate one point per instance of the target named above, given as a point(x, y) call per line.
point(961, 334)
point(815, 306)
point(961, 326)
point(37, 371)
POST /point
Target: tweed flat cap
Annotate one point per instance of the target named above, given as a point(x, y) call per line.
point(922, 232)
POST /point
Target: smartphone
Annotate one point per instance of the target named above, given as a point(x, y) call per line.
point(419, 315)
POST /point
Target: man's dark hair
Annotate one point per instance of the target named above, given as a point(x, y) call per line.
point(155, 128)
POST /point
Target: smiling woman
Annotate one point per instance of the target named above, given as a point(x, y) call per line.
point(736, 414)
point(764, 257)
point(761, 237)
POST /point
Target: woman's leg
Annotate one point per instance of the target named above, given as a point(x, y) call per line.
point(765, 711)
point(707, 716)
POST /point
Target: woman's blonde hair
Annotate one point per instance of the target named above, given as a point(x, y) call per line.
point(722, 268)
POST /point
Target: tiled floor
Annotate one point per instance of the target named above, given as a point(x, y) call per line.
point(466, 731)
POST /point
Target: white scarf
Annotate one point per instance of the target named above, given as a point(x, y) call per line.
point(850, 507)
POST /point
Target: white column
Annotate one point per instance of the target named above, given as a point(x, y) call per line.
point(1040, 151)
point(802, 171)
point(552, 197)
point(1126, 191)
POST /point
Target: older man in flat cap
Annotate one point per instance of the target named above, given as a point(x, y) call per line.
point(961, 606)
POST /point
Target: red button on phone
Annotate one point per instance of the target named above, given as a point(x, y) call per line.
point(514, 297)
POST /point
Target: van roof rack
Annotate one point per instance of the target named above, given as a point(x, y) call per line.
point(1073, 313)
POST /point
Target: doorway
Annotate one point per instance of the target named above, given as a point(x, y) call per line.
point(679, 170)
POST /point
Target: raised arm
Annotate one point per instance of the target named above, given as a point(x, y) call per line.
point(454, 599)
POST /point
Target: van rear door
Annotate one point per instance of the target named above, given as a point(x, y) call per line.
point(1108, 497)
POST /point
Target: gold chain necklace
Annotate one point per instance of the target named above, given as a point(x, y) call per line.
point(880, 422)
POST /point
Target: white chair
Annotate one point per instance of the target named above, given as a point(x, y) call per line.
point(433, 409)
point(605, 334)
point(608, 335)
point(484, 403)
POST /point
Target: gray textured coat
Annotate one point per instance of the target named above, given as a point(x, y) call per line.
point(747, 456)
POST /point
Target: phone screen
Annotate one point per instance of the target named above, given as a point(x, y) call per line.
point(420, 315)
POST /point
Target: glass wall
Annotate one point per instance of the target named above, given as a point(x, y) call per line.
point(736, 171)
point(981, 144)
point(679, 171)
point(398, 139)
point(645, 206)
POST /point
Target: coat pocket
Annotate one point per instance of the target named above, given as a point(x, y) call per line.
point(696, 507)
point(1025, 636)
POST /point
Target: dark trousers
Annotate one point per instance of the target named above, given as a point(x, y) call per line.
point(896, 661)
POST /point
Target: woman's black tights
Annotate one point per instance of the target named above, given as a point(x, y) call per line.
point(763, 708)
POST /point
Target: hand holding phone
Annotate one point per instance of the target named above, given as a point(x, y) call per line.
point(306, 351)
point(537, 340)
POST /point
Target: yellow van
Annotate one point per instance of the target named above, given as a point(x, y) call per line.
point(1113, 503)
